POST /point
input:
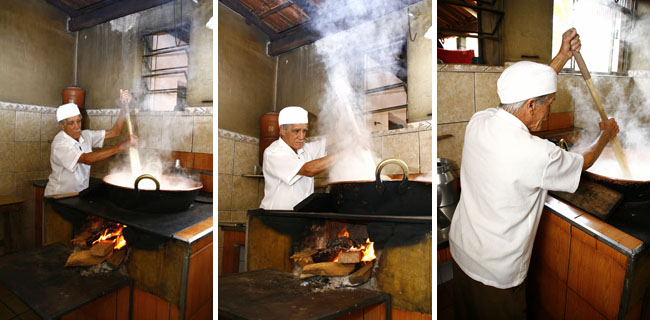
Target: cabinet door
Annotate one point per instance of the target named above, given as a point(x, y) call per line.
point(594, 274)
point(579, 309)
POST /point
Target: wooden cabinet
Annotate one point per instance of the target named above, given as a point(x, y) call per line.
point(578, 272)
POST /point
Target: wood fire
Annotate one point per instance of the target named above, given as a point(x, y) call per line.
point(98, 242)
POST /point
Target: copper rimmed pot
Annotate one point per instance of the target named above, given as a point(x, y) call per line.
point(177, 196)
point(634, 188)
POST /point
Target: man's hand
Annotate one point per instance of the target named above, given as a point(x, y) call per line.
point(609, 128)
point(132, 141)
point(570, 42)
point(125, 97)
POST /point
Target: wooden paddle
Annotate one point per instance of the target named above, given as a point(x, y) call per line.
point(134, 156)
point(614, 142)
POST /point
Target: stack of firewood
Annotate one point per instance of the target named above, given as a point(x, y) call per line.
point(319, 262)
point(89, 251)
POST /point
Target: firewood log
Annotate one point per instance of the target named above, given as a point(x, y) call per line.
point(362, 275)
point(84, 258)
point(304, 257)
point(326, 269)
point(350, 257)
point(116, 258)
point(102, 248)
point(81, 240)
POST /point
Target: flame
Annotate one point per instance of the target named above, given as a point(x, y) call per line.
point(368, 251)
point(118, 238)
point(344, 233)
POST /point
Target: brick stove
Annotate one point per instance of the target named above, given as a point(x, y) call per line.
point(169, 267)
point(403, 245)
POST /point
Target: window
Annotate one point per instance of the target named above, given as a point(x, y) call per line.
point(385, 86)
point(165, 64)
point(600, 25)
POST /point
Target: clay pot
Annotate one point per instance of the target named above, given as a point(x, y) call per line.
point(77, 95)
point(269, 131)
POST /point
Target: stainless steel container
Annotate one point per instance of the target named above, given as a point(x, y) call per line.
point(447, 184)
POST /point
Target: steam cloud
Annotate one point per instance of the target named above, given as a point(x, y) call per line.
point(342, 54)
point(625, 99)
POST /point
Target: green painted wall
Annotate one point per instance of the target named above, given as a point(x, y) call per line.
point(37, 56)
point(110, 54)
point(246, 74)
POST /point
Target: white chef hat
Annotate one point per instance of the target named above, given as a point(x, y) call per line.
point(66, 111)
point(292, 115)
point(524, 80)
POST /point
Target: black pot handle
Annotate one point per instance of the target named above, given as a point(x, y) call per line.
point(380, 184)
point(146, 176)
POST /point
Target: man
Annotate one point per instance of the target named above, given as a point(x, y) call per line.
point(506, 173)
point(290, 164)
point(72, 153)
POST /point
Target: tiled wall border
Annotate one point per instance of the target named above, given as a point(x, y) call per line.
point(195, 111)
point(424, 125)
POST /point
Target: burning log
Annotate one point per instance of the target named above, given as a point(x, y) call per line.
point(362, 275)
point(350, 257)
point(304, 257)
point(84, 259)
point(82, 239)
point(102, 248)
point(329, 269)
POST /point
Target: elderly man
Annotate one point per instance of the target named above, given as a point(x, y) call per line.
point(290, 164)
point(72, 152)
point(506, 173)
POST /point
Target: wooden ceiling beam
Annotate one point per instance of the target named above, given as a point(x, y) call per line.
point(61, 6)
point(110, 12)
point(234, 5)
point(305, 34)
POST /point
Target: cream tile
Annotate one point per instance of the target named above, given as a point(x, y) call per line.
point(202, 134)
point(404, 147)
point(567, 87)
point(46, 150)
point(246, 156)
point(614, 93)
point(451, 148)
point(224, 196)
point(426, 151)
point(178, 133)
point(455, 96)
point(28, 126)
point(239, 216)
point(101, 123)
point(486, 90)
point(149, 131)
point(226, 153)
point(224, 216)
point(7, 157)
point(244, 193)
point(375, 146)
point(49, 126)
point(7, 184)
point(7, 125)
point(28, 156)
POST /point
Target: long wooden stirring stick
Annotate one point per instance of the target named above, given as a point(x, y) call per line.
point(134, 156)
point(614, 142)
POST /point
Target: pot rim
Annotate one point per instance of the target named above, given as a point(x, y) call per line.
point(200, 185)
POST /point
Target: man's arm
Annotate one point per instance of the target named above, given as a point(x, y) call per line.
point(570, 43)
point(314, 167)
point(104, 153)
point(609, 129)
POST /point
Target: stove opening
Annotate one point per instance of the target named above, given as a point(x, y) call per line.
point(99, 246)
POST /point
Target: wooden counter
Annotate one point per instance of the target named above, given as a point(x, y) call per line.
point(582, 267)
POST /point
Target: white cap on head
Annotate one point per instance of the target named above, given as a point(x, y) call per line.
point(524, 80)
point(66, 111)
point(292, 115)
